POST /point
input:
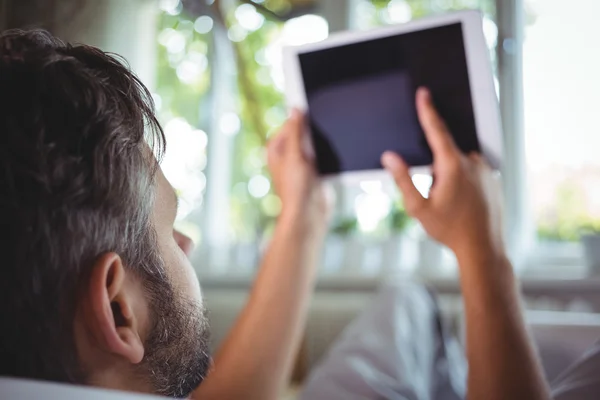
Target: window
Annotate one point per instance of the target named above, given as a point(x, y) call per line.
point(561, 60)
point(220, 98)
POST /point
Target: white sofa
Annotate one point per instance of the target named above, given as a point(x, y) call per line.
point(561, 337)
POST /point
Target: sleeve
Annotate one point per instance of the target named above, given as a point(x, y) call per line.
point(396, 349)
point(581, 381)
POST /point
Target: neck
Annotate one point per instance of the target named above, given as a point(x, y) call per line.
point(105, 370)
point(118, 379)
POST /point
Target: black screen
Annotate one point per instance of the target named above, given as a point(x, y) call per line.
point(361, 97)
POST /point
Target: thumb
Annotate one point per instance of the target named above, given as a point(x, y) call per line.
point(413, 200)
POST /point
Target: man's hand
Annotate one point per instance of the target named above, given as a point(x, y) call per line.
point(463, 210)
point(294, 175)
point(256, 360)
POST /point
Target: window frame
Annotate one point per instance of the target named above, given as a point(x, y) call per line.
point(526, 252)
point(529, 254)
point(519, 235)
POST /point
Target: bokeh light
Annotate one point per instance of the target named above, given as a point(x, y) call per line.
point(237, 33)
point(183, 163)
point(259, 186)
point(171, 7)
point(230, 124)
point(248, 17)
point(172, 40)
point(203, 24)
point(308, 28)
point(191, 69)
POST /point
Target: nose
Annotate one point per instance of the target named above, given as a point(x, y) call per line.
point(185, 243)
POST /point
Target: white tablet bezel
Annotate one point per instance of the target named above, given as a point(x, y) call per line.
point(483, 92)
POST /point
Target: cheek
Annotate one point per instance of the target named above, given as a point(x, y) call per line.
point(183, 275)
point(184, 243)
point(195, 292)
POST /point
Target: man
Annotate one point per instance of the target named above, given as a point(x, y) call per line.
point(96, 288)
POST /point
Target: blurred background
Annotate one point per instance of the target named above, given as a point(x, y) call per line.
point(214, 68)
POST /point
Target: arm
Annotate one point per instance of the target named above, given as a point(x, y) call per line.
point(257, 357)
point(463, 212)
point(503, 363)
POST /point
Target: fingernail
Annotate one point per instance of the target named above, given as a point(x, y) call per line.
point(424, 92)
point(390, 160)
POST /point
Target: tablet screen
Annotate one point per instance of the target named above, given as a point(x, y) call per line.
point(361, 97)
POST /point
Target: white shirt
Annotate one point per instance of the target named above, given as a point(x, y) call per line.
point(397, 349)
point(22, 389)
point(581, 381)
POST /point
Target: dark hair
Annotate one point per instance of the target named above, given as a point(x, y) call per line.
point(76, 181)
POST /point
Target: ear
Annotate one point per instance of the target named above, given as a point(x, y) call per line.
point(110, 316)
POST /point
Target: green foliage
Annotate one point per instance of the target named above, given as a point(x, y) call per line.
point(590, 228)
point(567, 231)
point(260, 105)
point(398, 219)
point(421, 8)
point(259, 101)
point(567, 220)
point(345, 226)
point(180, 99)
point(380, 3)
point(557, 233)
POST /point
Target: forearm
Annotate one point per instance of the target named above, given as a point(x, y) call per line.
point(256, 359)
point(502, 360)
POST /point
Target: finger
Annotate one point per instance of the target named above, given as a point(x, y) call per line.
point(480, 162)
point(330, 196)
point(483, 163)
point(436, 132)
point(275, 147)
point(475, 156)
point(295, 131)
point(413, 200)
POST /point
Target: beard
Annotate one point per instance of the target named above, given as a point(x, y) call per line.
point(177, 357)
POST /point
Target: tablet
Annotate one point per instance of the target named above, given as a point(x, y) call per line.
point(358, 90)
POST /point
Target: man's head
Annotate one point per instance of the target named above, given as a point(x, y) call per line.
point(95, 287)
